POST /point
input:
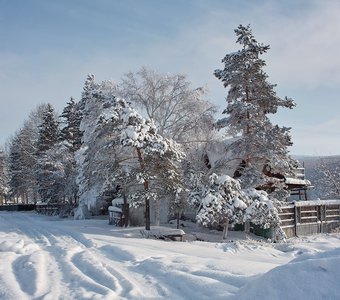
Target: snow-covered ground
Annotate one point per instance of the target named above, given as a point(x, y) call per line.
point(51, 258)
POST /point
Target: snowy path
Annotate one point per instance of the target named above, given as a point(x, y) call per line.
point(49, 258)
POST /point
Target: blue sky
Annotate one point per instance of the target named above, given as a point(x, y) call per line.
point(48, 47)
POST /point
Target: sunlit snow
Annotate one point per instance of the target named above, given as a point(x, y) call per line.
point(52, 258)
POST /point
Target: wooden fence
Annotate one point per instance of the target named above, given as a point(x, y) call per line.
point(310, 217)
point(17, 207)
point(54, 209)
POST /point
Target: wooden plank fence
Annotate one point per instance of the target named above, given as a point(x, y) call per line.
point(54, 209)
point(310, 217)
point(17, 207)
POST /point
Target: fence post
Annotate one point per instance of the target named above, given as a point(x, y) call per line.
point(323, 217)
point(319, 218)
point(295, 219)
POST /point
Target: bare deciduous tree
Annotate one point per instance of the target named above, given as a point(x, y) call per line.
point(22, 157)
point(328, 181)
point(179, 111)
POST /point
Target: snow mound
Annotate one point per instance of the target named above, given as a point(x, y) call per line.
point(310, 276)
point(17, 246)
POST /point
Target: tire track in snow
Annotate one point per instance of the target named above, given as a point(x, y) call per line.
point(161, 276)
point(94, 265)
point(60, 249)
point(83, 270)
point(72, 257)
point(27, 260)
point(46, 247)
point(118, 263)
point(24, 269)
point(111, 271)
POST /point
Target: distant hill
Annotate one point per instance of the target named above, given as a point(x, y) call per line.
point(313, 172)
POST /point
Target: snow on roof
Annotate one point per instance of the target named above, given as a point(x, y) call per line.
point(220, 156)
point(115, 209)
point(117, 201)
point(317, 202)
point(296, 181)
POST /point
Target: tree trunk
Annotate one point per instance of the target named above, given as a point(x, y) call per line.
point(125, 212)
point(225, 229)
point(146, 188)
point(147, 214)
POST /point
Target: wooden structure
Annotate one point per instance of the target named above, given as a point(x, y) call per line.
point(119, 212)
point(54, 209)
point(298, 185)
point(17, 207)
point(310, 217)
point(115, 216)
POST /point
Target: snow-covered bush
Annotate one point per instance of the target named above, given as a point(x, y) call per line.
point(223, 201)
point(261, 209)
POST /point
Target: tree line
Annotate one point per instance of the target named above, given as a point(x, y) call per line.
point(148, 140)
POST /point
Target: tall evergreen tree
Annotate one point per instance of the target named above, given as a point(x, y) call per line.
point(48, 130)
point(47, 170)
point(96, 157)
point(250, 101)
point(71, 132)
point(70, 143)
point(157, 157)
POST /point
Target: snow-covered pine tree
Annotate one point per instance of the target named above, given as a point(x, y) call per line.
point(96, 158)
point(47, 171)
point(156, 155)
point(70, 143)
point(262, 209)
point(71, 132)
point(48, 130)
point(116, 139)
point(251, 98)
point(221, 201)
